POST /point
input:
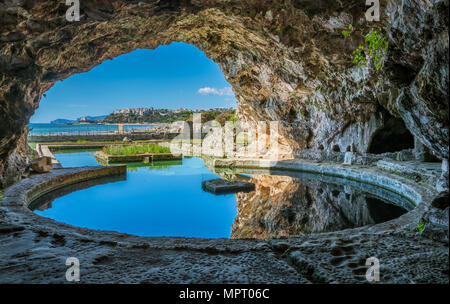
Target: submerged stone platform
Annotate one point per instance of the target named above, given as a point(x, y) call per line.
point(221, 186)
point(33, 249)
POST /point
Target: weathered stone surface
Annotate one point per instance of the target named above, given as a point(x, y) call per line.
point(219, 186)
point(14, 166)
point(346, 253)
point(442, 184)
point(286, 61)
point(43, 245)
point(418, 171)
point(109, 159)
point(103, 137)
point(418, 70)
point(436, 219)
point(42, 164)
point(44, 151)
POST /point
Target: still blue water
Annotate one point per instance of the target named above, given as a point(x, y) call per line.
point(39, 128)
point(81, 159)
point(161, 200)
point(167, 199)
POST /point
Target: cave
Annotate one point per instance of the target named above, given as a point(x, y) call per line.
point(392, 137)
point(277, 56)
point(270, 64)
point(336, 148)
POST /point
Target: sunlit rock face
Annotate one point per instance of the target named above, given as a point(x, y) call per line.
point(284, 206)
point(287, 61)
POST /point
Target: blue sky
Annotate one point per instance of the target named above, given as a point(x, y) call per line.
point(171, 76)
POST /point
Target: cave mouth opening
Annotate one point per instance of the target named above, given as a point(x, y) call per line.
point(393, 137)
point(176, 77)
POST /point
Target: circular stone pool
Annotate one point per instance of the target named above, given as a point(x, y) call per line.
point(166, 199)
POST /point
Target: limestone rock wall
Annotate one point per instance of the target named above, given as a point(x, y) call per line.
point(286, 61)
point(12, 168)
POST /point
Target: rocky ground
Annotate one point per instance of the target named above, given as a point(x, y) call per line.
point(34, 250)
point(37, 253)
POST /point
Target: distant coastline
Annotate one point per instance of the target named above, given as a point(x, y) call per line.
point(109, 123)
point(146, 116)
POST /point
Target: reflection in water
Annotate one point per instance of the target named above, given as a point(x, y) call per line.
point(166, 199)
point(46, 201)
point(284, 206)
point(155, 200)
point(153, 165)
point(77, 159)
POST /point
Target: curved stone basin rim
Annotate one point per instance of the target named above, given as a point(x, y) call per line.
point(28, 190)
point(420, 195)
point(380, 192)
point(368, 175)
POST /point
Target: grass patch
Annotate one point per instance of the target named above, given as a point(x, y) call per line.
point(32, 145)
point(217, 181)
point(420, 227)
point(135, 149)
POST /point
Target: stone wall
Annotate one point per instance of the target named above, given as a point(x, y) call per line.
point(101, 137)
point(148, 157)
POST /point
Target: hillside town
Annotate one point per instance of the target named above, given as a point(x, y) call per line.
point(147, 115)
point(151, 110)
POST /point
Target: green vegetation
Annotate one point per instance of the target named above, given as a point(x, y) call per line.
point(359, 57)
point(2, 197)
point(375, 48)
point(346, 33)
point(135, 149)
point(170, 117)
point(218, 181)
point(420, 227)
point(147, 118)
point(220, 117)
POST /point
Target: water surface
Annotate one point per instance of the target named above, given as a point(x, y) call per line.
point(43, 128)
point(166, 199)
point(163, 199)
point(78, 159)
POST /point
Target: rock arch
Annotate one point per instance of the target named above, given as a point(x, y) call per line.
point(277, 55)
